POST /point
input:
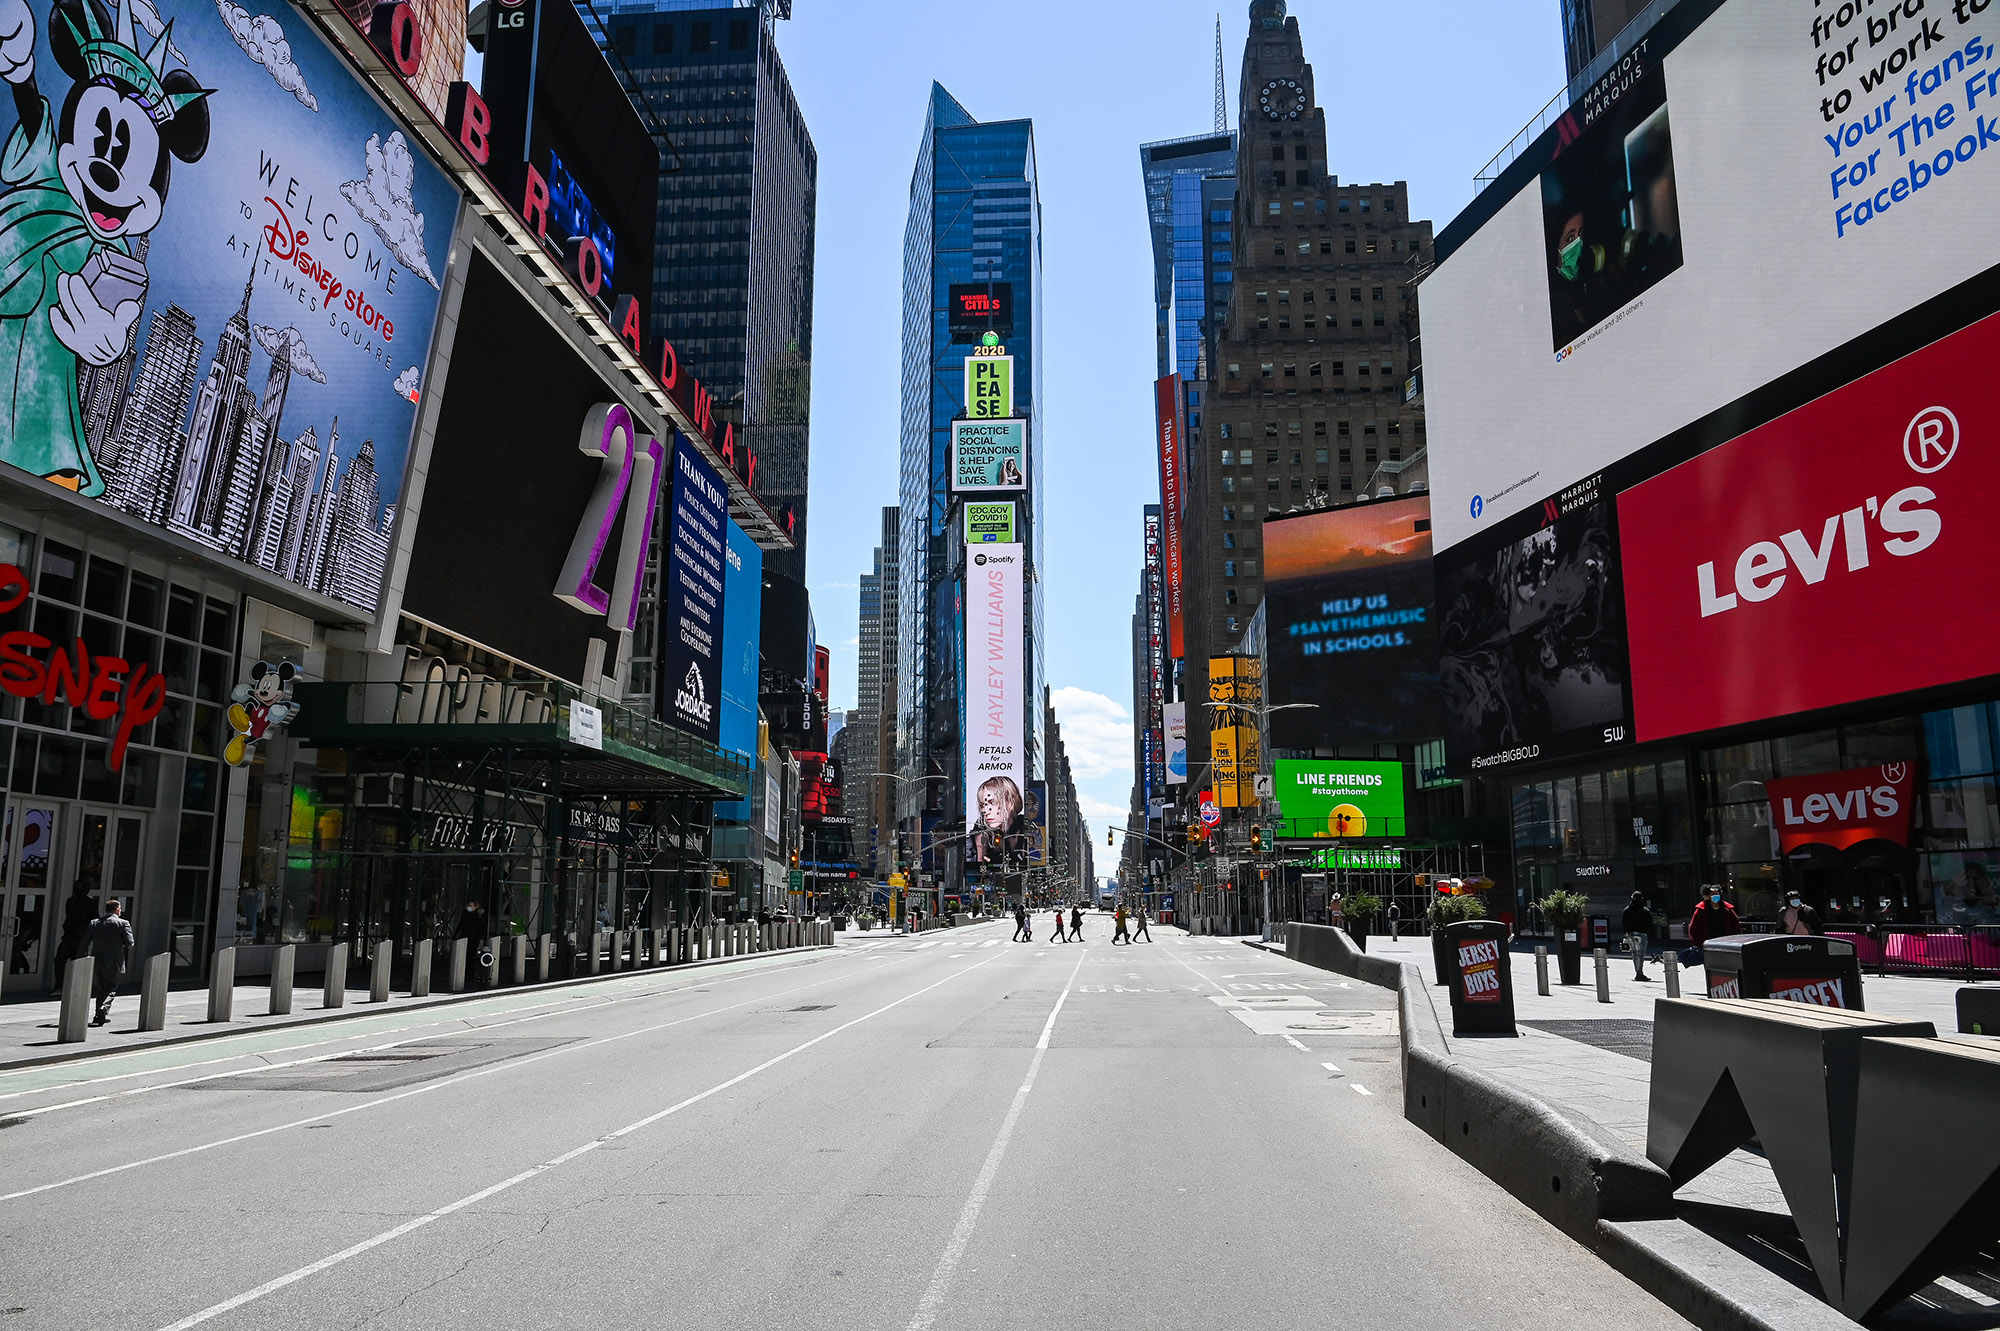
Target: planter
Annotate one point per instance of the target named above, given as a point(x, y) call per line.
point(1569, 953)
point(1358, 931)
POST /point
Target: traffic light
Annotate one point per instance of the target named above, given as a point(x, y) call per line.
point(1256, 840)
point(1107, 836)
point(795, 859)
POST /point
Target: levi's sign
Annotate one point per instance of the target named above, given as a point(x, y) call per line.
point(1842, 809)
point(1867, 512)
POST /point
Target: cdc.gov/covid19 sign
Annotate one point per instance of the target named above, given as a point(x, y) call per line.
point(216, 245)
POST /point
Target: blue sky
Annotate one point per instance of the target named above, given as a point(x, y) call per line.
point(1420, 90)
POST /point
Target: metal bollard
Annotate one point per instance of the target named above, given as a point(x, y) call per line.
point(333, 993)
point(1542, 970)
point(74, 1016)
point(493, 961)
point(542, 957)
point(455, 981)
point(378, 973)
point(520, 958)
point(1603, 960)
point(1672, 959)
point(222, 984)
point(153, 992)
point(420, 969)
point(284, 963)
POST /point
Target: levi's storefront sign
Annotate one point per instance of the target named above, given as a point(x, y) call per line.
point(1841, 552)
point(1842, 809)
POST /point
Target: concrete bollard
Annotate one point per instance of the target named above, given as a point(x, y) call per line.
point(1672, 959)
point(542, 957)
point(333, 992)
point(455, 980)
point(153, 992)
point(520, 958)
point(1542, 971)
point(730, 937)
point(493, 946)
point(596, 952)
point(222, 985)
point(74, 1017)
point(381, 963)
point(284, 963)
point(420, 969)
point(1603, 960)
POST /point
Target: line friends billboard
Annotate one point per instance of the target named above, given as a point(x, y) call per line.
point(219, 271)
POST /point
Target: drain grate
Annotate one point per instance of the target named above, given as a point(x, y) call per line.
point(1618, 1035)
point(814, 1007)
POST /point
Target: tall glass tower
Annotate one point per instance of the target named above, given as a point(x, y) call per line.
point(975, 218)
point(1173, 170)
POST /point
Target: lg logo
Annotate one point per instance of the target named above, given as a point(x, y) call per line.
point(1931, 441)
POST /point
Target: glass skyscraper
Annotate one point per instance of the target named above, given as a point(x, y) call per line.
point(1174, 170)
point(975, 217)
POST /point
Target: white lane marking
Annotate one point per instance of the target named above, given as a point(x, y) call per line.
point(449, 1208)
point(1295, 1044)
point(921, 946)
point(991, 942)
point(400, 1095)
point(1965, 1291)
point(1329, 1067)
point(968, 1219)
point(1359, 1089)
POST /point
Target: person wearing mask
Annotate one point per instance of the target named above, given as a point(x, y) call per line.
point(1713, 918)
point(1797, 917)
point(1118, 934)
point(1076, 924)
point(1638, 926)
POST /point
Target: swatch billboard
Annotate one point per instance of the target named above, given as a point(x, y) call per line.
point(216, 246)
point(996, 767)
point(1349, 627)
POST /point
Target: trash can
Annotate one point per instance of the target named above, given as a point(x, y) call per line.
point(1803, 968)
point(1481, 978)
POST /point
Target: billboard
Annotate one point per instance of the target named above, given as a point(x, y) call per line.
point(1155, 629)
point(996, 768)
point(989, 522)
point(1843, 809)
point(1339, 798)
point(1650, 260)
point(693, 565)
point(1869, 509)
point(1349, 625)
point(1233, 748)
point(976, 309)
point(1167, 417)
point(1174, 718)
point(216, 243)
point(1531, 638)
point(989, 385)
point(989, 455)
point(742, 605)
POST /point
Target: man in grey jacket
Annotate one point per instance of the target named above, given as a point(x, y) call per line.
point(111, 943)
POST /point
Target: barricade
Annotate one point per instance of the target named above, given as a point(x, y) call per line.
point(378, 972)
point(284, 964)
point(222, 984)
point(420, 968)
point(333, 986)
point(153, 992)
point(73, 1018)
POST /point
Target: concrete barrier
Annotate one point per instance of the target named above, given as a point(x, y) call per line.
point(493, 961)
point(222, 984)
point(542, 947)
point(596, 952)
point(518, 961)
point(380, 964)
point(455, 979)
point(73, 1017)
point(284, 964)
point(420, 968)
point(333, 989)
point(1570, 1170)
point(153, 992)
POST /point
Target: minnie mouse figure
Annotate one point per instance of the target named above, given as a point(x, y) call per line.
point(262, 705)
point(75, 186)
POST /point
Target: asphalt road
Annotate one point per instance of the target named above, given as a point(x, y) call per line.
point(952, 1131)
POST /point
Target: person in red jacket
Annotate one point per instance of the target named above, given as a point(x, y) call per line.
point(1713, 918)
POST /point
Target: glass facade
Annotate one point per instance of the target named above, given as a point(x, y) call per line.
point(1173, 171)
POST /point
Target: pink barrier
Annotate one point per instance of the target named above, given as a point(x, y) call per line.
point(1866, 950)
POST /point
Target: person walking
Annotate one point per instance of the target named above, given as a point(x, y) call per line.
point(1638, 926)
point(1797, 917)
point(1076, 924)
point(1713, 918)
point(1118, 936)
point(472, 928)
point(1395, 920)
point(1021, 934)
point(1059, 926)
point(110, 943)
point(1139, 925)
point(79, 914)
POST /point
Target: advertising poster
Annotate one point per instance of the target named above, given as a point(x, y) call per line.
point(1167, 415)
point(1234, 752)
point(989, 523)
point(695, 561)
point(1871, 508)
point(1038, 821)
point(1156, 651)
point(1349, 625)
point(989, 455)
point(742, 598)
point(1329, 798)
point(1531, 640)
point(216, 244)
point(1174, 715)
point(979, 308)
point(989, 387)
point(995, 709)
point(1842, 809)
point(1756, 186)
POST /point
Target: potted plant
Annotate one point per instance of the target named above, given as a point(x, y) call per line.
point(1564, 912)
point(1446, 909)
point(1358, 911)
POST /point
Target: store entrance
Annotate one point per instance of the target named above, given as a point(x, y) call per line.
point(46, 848)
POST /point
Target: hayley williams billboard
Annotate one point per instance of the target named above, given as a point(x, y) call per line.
point(219, 267)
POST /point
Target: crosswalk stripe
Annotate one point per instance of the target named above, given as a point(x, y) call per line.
point(991, 942)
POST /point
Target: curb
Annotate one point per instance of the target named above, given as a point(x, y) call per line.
point(375, 1010)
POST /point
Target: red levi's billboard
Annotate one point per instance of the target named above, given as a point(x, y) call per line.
point(1167, 413)
point(1843, 551)
point(1842, 809)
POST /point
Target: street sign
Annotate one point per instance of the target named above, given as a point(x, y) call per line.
point(798, 880)
point(1263, 785)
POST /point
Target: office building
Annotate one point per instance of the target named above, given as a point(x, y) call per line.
point(1596, 32)
point(873, 718)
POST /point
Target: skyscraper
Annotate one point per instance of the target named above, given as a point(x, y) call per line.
point(733, 253)
point(974, 218)
point(872, 719)
point(138, 477)
point(1596, 27)
point(1173, 171)
point(202, 488)
point(100, 389)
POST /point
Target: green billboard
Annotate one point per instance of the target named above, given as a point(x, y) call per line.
point(989, 523)
point(1333, 798)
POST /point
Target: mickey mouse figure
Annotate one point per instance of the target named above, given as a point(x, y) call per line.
point(75, 186)
point(262, 705)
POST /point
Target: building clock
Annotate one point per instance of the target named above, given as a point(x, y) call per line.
point(1282, 99)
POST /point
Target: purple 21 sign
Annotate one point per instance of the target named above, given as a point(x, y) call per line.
point(630, 466)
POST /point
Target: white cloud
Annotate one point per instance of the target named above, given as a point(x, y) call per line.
point(272, 339)
point(263, 40)
point(1099, 814)
point(1096, 731)
point(407, 382)
point(384, 201)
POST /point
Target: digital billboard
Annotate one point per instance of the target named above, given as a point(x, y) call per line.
point(693, 565)
point(989, 386)
point(1349, 625)
point(989, 522)
point(216, 244)
point(989, 455)
point(1174, 721)
point(1167, 419)
point(1339, 798)
point(1758, 185)
point(1870, 508)
point(1235, 695)
point(1531, 638)
point(996, 767)
point(742, 638)
point(978, 308)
